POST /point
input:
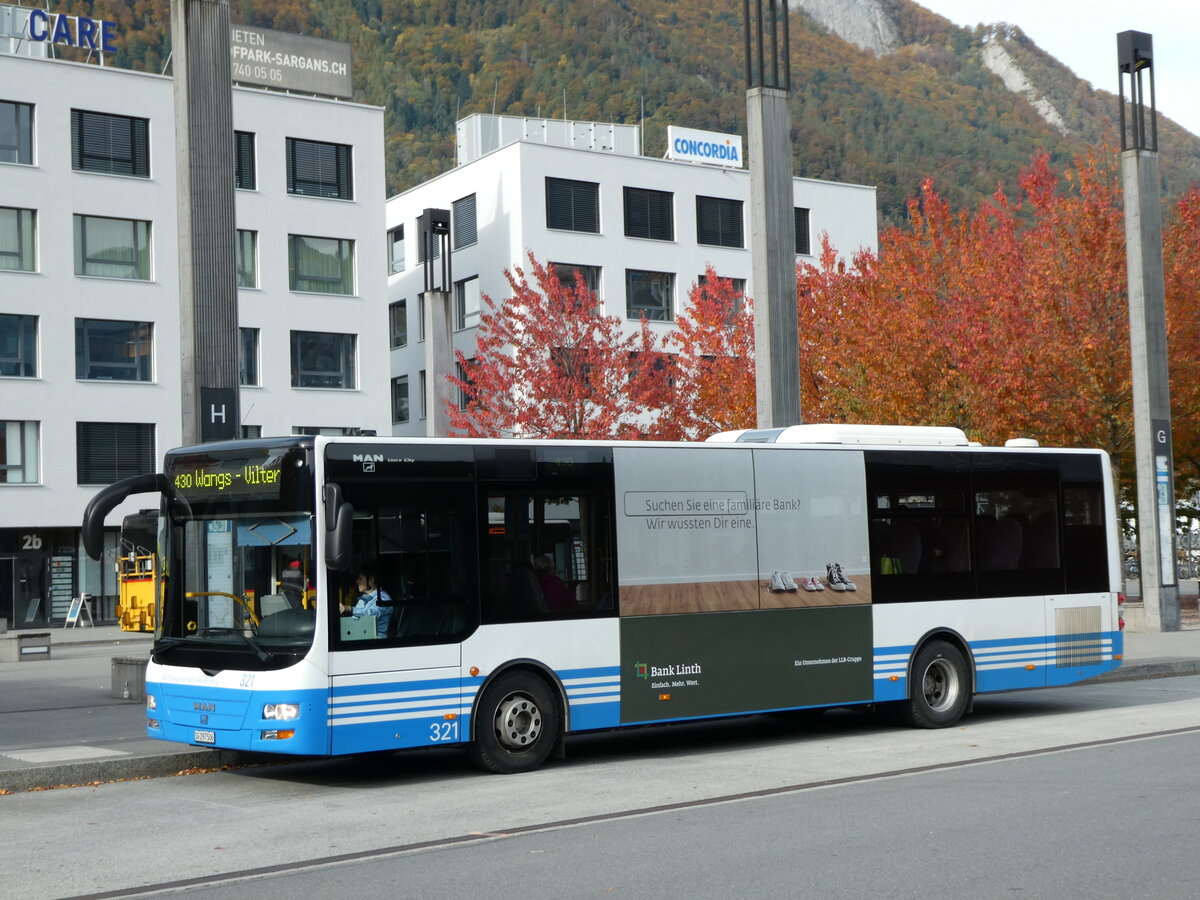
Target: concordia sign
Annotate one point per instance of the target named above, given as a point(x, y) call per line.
point(290, 61)
point(704, 146)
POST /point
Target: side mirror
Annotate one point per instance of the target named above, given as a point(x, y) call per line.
point(109, 498)
point(339, 521)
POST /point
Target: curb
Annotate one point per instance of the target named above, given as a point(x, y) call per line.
point(166, 764)
point(131, 768)
point(1163, 668)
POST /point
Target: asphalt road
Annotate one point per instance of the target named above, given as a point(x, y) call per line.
point(1074, 792)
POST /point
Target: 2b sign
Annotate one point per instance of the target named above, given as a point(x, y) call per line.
point(92, 34)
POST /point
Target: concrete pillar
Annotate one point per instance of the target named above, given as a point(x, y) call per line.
point(773, 258)
point(207, 256)
point(1151, 389)
point(439, 362)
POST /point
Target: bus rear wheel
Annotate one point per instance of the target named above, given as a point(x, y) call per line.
point(517, 724)
point(940, 688)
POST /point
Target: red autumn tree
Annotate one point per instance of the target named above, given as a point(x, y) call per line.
point(711, 364)
point(1181, 276)
point(1008, 321)
point(548, 363)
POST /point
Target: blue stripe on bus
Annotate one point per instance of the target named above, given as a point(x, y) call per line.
point(233, 716)
point(414, 713)
point(593, 696)
point(1002, 664)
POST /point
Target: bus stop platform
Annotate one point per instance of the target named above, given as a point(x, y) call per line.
point(61, 725)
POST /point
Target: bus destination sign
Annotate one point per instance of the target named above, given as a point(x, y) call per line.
point(290, 62)
point(208, 477)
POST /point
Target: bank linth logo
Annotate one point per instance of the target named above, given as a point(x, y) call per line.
point(645, 670)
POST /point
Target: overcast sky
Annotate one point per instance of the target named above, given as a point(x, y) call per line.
point(1082, 34)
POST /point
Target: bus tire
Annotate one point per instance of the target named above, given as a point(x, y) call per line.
point(940, 687)
point(517, 724)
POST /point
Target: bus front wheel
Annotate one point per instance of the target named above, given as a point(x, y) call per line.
point(940, 687)
point(517, 724)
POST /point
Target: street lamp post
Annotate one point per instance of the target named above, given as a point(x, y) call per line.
point(1148, 336)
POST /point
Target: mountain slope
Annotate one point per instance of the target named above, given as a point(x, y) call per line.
point(884, 91)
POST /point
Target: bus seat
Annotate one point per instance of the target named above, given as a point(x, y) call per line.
point(1003, 549)
point(904, 542)
point(1041, 545)
point(526, 594)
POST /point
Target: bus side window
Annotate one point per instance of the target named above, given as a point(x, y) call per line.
point(546, 556)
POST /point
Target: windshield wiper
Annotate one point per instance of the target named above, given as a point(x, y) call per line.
point(262, 652)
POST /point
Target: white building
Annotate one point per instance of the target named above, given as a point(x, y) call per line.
point(579, 194)
point(89, 317)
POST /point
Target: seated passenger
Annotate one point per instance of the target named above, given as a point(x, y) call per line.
point(554, 589)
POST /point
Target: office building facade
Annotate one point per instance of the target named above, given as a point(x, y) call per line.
point(640, 230)
point(90, 346)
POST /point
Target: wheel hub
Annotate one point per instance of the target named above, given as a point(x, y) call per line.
point(940, 685)
point(518, 722)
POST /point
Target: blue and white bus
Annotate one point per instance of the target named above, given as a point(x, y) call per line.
point(535, 589)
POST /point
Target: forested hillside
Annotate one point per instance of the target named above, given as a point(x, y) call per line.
point(930, 107)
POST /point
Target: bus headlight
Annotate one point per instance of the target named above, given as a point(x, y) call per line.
point(151, 703)
point(281, 711)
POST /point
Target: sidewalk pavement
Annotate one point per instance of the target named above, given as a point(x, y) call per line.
point(72, 730)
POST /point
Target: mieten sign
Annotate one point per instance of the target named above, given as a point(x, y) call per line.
point(290, 61)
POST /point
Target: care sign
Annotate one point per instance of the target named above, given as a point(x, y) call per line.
point(704, 146)
point(72, 31)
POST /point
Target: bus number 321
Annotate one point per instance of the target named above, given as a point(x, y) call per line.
point(443, 731)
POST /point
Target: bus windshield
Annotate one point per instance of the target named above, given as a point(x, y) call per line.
point(239, 574)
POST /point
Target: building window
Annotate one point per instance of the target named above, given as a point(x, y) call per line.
point(464, 375)
point(323, 360)
point(248, 356)
point(317, 169)
point(649, 214)
point(116, 145)
point(719, 222)
point(738, 284)
point(17, 246)
point(573, 205)
point(244, 173)
point(420, 318)
point(327, 430)
point(567, 273)
point(464, 225)
point(400, 400)
point(113, 351)
point(109, 451)
point(398, 321)
point(649, 294)
point(112, 248)
point(247, 258)
point(19, 453)
point(16, 133)
point(321, 265)
point(466, 303)
point(18, 346)
point(396, 250)
point(251, 431)
point(423, 395)
point(803, 244)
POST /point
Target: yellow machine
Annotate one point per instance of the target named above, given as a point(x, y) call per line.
point(137, 572)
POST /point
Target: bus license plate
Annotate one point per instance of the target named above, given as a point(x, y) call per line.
point(206, 737)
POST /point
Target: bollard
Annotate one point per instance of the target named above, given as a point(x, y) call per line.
point(129, 677)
